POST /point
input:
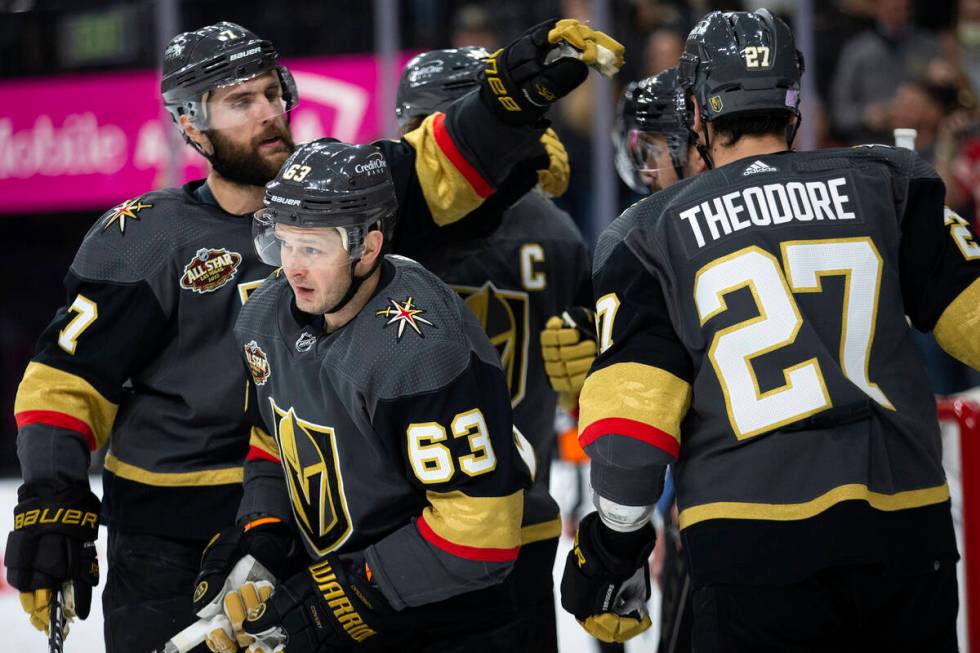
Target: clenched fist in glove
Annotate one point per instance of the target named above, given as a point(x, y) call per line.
point(606, 583)
point(568, 346)
point(52, 547)
point(330, 606)
point(522, 80)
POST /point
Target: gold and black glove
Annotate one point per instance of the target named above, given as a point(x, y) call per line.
point(606, 583)
point(521, 80)
point(238, 572)
point(52, 548)
point(330, 606)
point(553, 180)
point(568, 346)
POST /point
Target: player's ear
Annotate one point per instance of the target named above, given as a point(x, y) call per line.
point(196, 135)
point(373, 244)
point(697, 114)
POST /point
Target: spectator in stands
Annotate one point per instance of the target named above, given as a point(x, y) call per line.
point(472, 25)
point(663, 50)
point(872, 66)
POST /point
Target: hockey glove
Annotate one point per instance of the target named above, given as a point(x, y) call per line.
point(607, 587)
point(52, 547)
point(553, 180)
point(238, 573)
point(521, 80)
point(331, 606)
point(568, 346)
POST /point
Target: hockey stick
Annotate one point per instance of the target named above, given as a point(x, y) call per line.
point(246, 569)
point(56, 624)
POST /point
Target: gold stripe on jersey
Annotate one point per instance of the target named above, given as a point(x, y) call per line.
point(448, 193)
point(479, 522)
point(544, 531)
point(636, 392)
point(204, 477)
point(48, 389)
point(262, 441)
point(958, 327)
point(808, 509)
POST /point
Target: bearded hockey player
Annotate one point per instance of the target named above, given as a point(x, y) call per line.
point(532, 266)
point(753, 334)
point(141, 358)
point(380, 399)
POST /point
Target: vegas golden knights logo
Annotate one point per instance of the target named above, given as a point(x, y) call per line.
point(504, 315)
point(316, 487)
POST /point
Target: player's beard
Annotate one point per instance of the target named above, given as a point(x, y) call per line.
point(243, 164)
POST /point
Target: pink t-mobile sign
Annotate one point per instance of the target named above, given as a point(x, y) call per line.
point(92, 141)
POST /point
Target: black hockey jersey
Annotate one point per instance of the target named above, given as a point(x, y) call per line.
point(533, 266)
point(142, 353)
point(753, 328)
point(394, 434)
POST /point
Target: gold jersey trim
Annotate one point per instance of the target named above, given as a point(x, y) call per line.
point(481, 522)
point(261, 440)
point(225, 476)
point(45, 388)
point(812, 508)
point(958, 326)
point(448, 193)
point(637, 392)
point(538, 532)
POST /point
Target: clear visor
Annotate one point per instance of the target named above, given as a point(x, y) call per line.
point(650, 151)
point(292, 247)
point(252, 99)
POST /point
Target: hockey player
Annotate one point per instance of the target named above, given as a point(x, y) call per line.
point(532, 266)
point(753, 333)
point(141, 358)
point(384, 401)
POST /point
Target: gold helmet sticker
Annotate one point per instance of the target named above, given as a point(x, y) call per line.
point(210, 269)
point(715, 103)
point(258, 363)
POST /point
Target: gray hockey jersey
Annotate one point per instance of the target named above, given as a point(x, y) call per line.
point(394, 435)
point(753, 329)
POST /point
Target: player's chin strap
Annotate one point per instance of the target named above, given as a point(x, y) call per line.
point(355, 283)
point(704, 149)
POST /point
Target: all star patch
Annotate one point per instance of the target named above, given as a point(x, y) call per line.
point(404, 313)
point(128, 209)
point(210, 269)
point(258, 363)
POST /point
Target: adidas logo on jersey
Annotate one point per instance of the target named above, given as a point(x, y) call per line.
point(758, 167)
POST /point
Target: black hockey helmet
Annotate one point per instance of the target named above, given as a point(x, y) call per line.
point(739, 62)
point(433, 80)
point(653, 128)
point(195, 63)
point(328, 184)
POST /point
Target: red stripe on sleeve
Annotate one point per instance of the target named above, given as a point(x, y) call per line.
point(254, 453)
point(448, 147)
point(631, 429)
point(60, 420)
point(462, 551)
